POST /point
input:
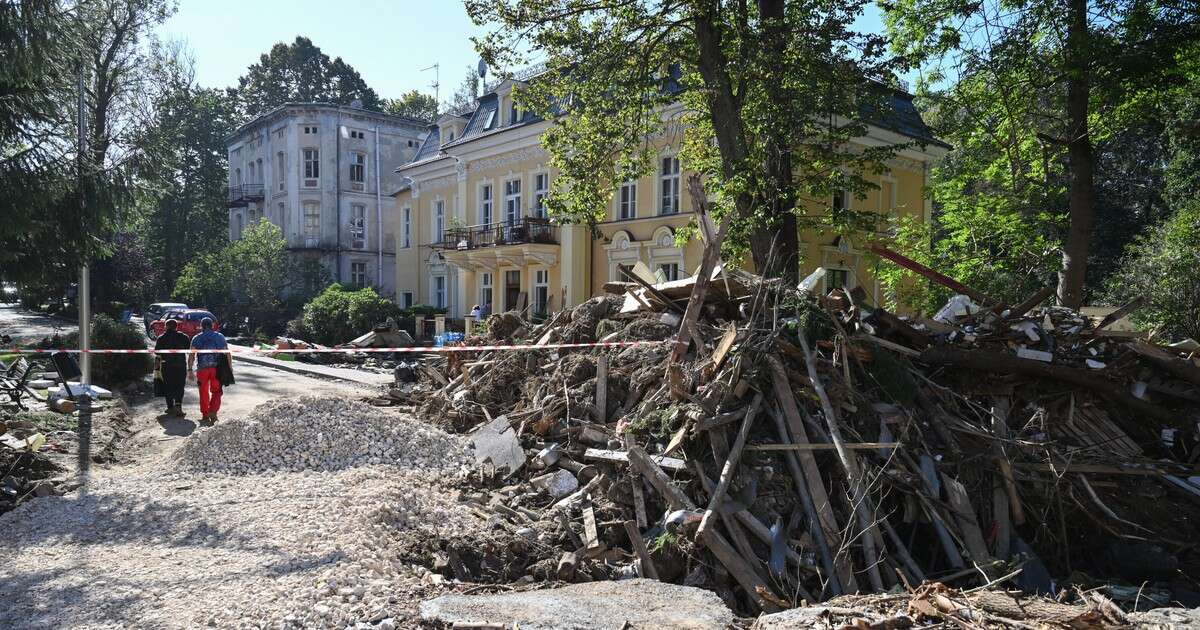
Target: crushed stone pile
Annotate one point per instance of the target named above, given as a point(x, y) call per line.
point(319, 433)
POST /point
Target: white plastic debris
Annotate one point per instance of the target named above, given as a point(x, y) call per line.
point(1036, 355)
point(957, 306)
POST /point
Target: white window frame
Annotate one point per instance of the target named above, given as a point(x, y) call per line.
point(627, 201)
point(310, 129)
point(406, 299)
point(358, 226)
point(672, 271)
point(438, 292)
point(541, 292)
point(827, 280)
point(311, 158)
point(250, 169)
point(358, 170)
point(358, 273)
point(312, 221)
point(668, 185)
point(487, 290)
point(487, 203)
point(281, 170)
point(512, 201)
point(406, 227)
point(439, 220)
point(541, 189)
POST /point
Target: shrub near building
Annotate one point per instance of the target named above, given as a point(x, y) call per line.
point(339, 314)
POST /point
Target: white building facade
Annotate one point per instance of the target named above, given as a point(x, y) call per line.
point(324, 174)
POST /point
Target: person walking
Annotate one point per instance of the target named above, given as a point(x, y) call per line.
point(172, 365)
point(206, 372)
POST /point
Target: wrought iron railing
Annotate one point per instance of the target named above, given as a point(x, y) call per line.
point(521, 231)
point(242, 193)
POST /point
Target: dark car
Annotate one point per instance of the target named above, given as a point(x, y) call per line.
point(189, 321)
point(155, 311)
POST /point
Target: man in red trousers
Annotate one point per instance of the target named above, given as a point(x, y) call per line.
point(210, 384)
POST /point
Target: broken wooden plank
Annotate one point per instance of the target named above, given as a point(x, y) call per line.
point(731, 462)
point(1112, 317)
point(1031, 302)
point(720, 420)
point(712, 236)
point(639, 502)
point(807, 475)
point(591, 535)
point(622, 457)
point(964, 514)
point(1095, 469)
point(859, 500)
point(723, 348)
point(821, 447)
point(645, 563)
point(602, 389)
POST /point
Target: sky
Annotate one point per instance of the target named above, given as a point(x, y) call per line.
point(390, 43)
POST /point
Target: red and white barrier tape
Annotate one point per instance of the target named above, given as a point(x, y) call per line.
point(417, 349)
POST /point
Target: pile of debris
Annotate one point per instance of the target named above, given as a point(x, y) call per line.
point(796, 447)
point(319, 433)
point(27, 471)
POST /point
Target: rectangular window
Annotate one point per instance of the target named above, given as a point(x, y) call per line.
point(841, 201)
point(670, 186)
point(512, 200)
point(541, 291)
point(485, 289)
point(312, 167)
point(406, 299)
point(279, 170)
point(439, 291)
point(312, 219)
point(310, 129)
point(358, 274)
point(358, 169)
point(836, 279)
point(406, 229)
point(439, 220)
point(512, 289)
point(358, 226)
point(485, 204)
point(541, 188)
point(357, 135)
point(627, 203)
point(668, 272)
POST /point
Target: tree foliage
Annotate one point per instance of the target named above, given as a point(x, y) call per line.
point(413, 104)
point(772, 93)
point(339, 314)
point(1046, 104)
point(300, 72)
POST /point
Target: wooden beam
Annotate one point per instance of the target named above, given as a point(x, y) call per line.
point(822, 447)
point(639, 547)
point(930, 274)
point(731, 462)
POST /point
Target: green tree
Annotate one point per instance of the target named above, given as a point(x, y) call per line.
point(61, 207)
point(300, 72)
point(249, 277)
point(1047, 80)
point(413, 104)
point(463, 98)
point(340, 314)
point(181, 194)
point(772, 94)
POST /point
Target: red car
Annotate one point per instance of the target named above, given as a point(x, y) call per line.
point(189, 321)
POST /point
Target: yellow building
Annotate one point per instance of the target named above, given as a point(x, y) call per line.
point(471, 228)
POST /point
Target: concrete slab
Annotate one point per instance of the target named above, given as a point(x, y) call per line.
point(636, 604)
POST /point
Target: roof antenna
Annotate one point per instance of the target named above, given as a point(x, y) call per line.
point(436, 83)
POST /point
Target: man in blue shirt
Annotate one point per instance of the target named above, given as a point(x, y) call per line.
point(210, 384)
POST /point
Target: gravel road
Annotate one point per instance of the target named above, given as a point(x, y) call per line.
point(170, 543)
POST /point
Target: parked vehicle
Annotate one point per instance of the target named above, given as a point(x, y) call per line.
point(189, 321)
point(155, 311)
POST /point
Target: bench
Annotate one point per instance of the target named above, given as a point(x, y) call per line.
point(13, 381)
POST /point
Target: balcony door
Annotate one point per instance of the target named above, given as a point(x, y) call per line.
point(512, 289)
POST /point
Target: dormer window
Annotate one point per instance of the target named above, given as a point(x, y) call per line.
point(514, 113)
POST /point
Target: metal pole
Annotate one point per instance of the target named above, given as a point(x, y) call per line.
point(84, 294)
point(378, 217)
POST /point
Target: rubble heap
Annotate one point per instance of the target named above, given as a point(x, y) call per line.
point(319, 433)
point(803, 446)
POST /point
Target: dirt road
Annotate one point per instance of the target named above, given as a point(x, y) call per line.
point(144, 545)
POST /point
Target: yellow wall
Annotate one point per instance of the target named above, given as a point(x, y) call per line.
point(585, 263)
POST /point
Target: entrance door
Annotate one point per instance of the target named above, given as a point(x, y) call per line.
point(512, 289)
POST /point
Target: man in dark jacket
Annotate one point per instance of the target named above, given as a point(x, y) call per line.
point(173, 365)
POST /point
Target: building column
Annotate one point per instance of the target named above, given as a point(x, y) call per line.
point(574, 256)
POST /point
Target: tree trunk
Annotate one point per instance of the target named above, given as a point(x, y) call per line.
point(1080, 158)
point(778, 239)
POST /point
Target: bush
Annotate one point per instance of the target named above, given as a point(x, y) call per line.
point(1164, 266)
point(111, 370)
point(339, 314)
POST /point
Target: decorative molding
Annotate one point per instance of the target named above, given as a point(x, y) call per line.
point(512, 157)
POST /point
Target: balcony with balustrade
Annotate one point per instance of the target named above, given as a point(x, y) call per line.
point(240, 195)
point(525, 241)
